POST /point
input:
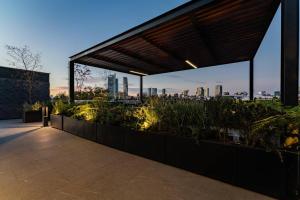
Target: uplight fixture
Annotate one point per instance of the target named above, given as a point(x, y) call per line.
point(191, 64)
point(139, 73)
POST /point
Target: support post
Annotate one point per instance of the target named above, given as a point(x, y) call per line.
point(251, 77)
point(289, 52)
point(141, 89)
point(71, 82)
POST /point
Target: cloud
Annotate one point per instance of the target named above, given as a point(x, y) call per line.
point(59, 89)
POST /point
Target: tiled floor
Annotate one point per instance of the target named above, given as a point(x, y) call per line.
point(45, 163)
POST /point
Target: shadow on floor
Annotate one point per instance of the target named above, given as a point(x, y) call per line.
point(9, 138)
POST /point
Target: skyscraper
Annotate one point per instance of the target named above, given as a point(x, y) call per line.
point(154, 91)
point(218, 90)
point(149, 92)
point(112, 86)
point(206, 92)
point(163, 92)
point(200, 92)
point(116, 90)
point(125, 87)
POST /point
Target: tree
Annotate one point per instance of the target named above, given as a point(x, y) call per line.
point(81, 74)
point(24, 58)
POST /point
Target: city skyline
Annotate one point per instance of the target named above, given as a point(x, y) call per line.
point(42, 27)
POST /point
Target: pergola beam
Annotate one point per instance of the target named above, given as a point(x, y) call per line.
point(289, 52)
point(141, 89)
point(71, 82)
point(251, 79)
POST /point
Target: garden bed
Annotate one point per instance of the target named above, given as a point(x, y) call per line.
point(250, 168)
point(56, 121)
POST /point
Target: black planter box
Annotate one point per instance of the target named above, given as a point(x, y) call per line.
point(32, 116)
point(57, 121)
point(71, 125)
point(80, 128)
point(148, 145)
point(261, 171)
point(207, 158)
point(250, 168)
point(112, 136)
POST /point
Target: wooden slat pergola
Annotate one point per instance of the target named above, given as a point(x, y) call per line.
point(198, 34)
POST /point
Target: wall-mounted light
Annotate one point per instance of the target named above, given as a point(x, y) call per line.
point(139, 73)
point(191, 64)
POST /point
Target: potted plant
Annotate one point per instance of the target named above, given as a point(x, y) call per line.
point(32, 113)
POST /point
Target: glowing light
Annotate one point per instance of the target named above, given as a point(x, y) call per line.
point(191, 64)
point(139, 73)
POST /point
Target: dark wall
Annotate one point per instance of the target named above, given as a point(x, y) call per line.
point(13, 92)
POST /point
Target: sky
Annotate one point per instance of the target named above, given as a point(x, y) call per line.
point(58, 29)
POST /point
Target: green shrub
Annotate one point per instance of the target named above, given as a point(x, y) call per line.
point(61, 108)
point(262, 124)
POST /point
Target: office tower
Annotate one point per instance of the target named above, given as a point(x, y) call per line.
point(154, 91)
point(185, 93)
point(149, 92)
point(163, 92)
point(262, 93)
point(200, 92)
point(277, 93)
point(112, 86)
point(218, 90)
point(116, 94)
point(125, 87)
point(206, 92)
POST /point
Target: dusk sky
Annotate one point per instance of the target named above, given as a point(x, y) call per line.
point(60, 28)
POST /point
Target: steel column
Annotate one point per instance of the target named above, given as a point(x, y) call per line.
point(71, 82)
point(251, 77)
point(289, 52)
point(141, 89)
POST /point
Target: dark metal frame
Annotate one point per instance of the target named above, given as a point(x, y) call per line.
point(289, 52)
point(289, 48)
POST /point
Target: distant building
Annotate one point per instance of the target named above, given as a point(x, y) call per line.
point(200, 92)
point(262, 93)
point(185, 93)
point(163, 92)
point(125, 87)
point(206, 92)
point(154, 91)
point(226, 93)
point(149, 92)
point(112, 86)
point(277, 93)
point(176, 95)
point(218, 90)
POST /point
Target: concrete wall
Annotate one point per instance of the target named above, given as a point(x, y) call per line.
point(13, 92)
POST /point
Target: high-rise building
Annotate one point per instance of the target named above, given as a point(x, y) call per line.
point(116, 87)
point(154, 91)
point(277, 93)
point(149, 92)
point(206, 92)
point(200, 92)
point(125, 87)
point(262, 93)
point(185, 93)
point(218, 90)
point(163, 92)
point(112, 86)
